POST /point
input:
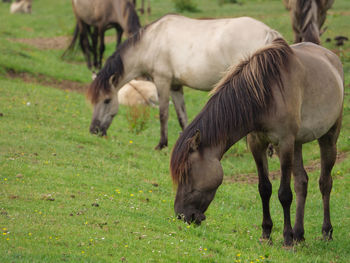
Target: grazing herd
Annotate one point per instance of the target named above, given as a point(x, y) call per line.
point(271, 92)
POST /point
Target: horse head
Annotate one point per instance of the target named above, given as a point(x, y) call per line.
point(201, 175)
point(105, 103)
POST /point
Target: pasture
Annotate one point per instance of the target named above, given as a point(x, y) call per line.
point(66, 195)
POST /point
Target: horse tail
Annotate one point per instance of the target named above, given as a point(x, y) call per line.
point(305, 20)
point(113, 67)
point(71, 46)
point(133, 21)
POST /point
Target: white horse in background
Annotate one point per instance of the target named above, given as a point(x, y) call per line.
point(21, 6)
point(191, 52)
point(138, 92)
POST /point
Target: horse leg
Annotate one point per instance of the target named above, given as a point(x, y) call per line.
point(94, 37)
point(258, 149)
point(84, 43)
point(119, 30)
point(177, 95)
point(300, 187)
point(328, 150)
point(163, 88)
point(101, 34)
point(286, 151)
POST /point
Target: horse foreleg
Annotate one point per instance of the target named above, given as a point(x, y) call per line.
point(328, 150)
point(286, 152)
point(258, 149)
point(178, 98)
point(163, 88)
point(300, 187)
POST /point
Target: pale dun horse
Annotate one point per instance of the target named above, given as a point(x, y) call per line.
point(282, 95)
point(308, 17)
point(175, 51)
point(21, 6)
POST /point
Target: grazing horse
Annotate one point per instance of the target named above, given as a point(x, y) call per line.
point(187, 52)
point(21, 6)
point(308, 17)
point(284, 95)
point(101, 15)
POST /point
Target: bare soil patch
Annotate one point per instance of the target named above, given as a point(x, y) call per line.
point(48, 81)
point(59, 42)
point(252, 178)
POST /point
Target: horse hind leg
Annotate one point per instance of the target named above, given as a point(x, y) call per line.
point(84, 43)
point(328, 150)
point(258, 149)
point(119, 31)
point(101, 34)
point(179, 103)
point(300, 187)
point(94, 38)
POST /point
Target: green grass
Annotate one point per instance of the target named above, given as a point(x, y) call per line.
point(53, 173)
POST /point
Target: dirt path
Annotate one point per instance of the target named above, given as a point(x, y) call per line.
point(252, 178)
point(44, 43)
point(48, 81)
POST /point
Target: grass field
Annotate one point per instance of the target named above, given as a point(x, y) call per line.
point(66, 195)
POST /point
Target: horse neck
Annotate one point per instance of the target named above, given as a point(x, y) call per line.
point(132, 65)
point(225, 144)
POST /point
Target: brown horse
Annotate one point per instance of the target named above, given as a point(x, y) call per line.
point(308, 17)
point(282, 95)
point(100, 16)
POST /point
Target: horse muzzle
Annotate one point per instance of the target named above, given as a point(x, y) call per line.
point(96, 128)
point(193, 217)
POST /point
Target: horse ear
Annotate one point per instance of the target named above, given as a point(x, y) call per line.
point(112, 80)
point(195, 140)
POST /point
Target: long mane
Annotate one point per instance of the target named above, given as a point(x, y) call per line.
point(238, 100)
point(113, 66)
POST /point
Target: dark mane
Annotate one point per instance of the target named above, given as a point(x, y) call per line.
point(237, 102)
point(113, 66)
point(133, 21)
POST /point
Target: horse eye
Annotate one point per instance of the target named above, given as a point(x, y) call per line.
point(107, 101)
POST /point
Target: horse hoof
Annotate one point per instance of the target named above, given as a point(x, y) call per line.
point(160, 146)
point(267, 241)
